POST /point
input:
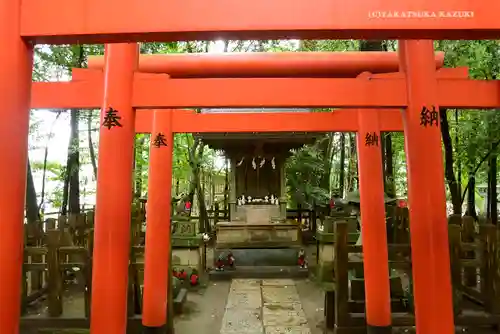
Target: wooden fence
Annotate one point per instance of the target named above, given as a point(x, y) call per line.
point(474, 257)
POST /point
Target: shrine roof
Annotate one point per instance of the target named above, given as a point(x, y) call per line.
point(271, 141)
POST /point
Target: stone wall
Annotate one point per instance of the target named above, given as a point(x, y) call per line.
point(242, 233)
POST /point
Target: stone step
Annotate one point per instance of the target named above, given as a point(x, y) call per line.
point(259, 272)
point(262, 256)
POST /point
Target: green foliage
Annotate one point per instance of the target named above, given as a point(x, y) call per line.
point(304, 170)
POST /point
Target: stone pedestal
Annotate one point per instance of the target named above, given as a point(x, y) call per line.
point(244, 235)
point(282, 206)
point(187, 247)
point(258, 237)
point(232, 209)
point(257, 214)
point(257, 226)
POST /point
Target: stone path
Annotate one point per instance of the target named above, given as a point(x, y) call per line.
point(269, 306)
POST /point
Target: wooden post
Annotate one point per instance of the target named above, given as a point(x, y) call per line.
point(216, 213)
point(426, 192)
point(468, 236)
point(158, 228)
point(114, 192)
point(398, 226)
point(373, 226)
point(16, 57)
point(489, 268)
point(341, 276)
point(24, 286)
point(55, 283)
point(495, 272)
point(134, 295)
point(36, 276)
point(329, 308)
point(88, 266)
point(454, 231)
point(50, 224)
point(232, 189)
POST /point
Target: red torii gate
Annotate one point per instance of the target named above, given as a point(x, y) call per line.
point(287, 121)
point(364, 121)
point(23, 23)
point(266, 64)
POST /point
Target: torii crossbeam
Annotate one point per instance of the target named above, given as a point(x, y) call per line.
point(266, 64)
point(95, 21)
point(153, 91)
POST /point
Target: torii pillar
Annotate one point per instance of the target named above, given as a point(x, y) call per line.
point(16, 62)
point(114, 192)
point(158, 225)
point(426, 191)
point(373, 223)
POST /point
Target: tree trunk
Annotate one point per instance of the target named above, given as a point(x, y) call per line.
point(71, 191)
point(32, 211)
point(459, 161)
point(195, 156)
point(74, 166)
point(139, 148)
point(64, 204)
point(226, 185)
point(456, 199)
point(352, 167)
point(492, 193)
point(389, 166)
point(372, 45)
point(193, 163)
point(472, 182)
point(93, 159)
point(71, 188)
point(471, 198)
point(327, 149)
point(342, 165)
point(45, 157)
point(204, 221)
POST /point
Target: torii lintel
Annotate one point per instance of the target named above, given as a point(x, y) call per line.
point(95, 21)
point(157, 91)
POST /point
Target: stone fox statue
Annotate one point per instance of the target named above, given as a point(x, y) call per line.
point(302, 259)
point(224, 260)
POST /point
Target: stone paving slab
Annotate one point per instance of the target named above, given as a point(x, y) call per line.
point(242, 321)
point(278, 282)
point(245, 284)
point(287, 330)
point(280, 294)
point(283, 314)
point(244, 299)
point(270, 306)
